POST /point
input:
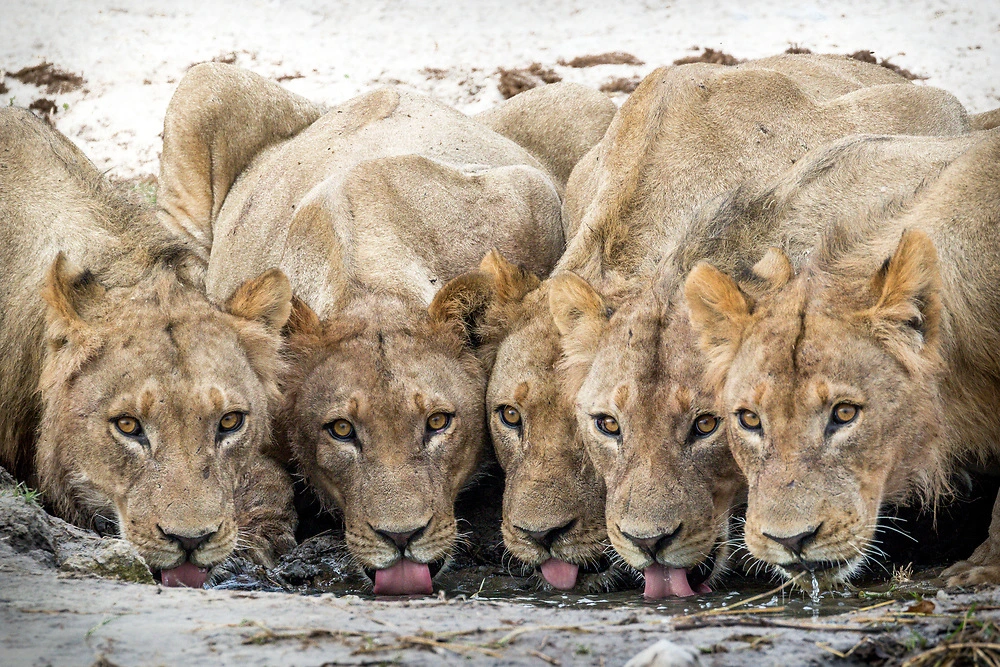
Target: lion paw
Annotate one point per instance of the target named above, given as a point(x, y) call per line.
point(967, 573)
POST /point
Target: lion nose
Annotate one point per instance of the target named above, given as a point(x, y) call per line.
point(547, 536)
point(652, 545)
point(402, 539)
point(189, 542)
point(794, 543)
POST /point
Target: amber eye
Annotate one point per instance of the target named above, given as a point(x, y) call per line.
point(705, 424)
point(129, 426)
point(844, 413)
point(607, 425)
point(438, 421)
point(749, 420)
point(510, 416)
point(231, 421)
point(341, 429)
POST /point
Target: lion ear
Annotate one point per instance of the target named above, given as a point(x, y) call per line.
point(66, 291)
point(511, 282)
point(906, 290)
point(266, 299)
point(462, 304)
point(303, 320)
point(580, 314)
point(774, 268)
point(719, 312)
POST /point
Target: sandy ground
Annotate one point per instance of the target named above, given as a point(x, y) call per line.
point(49, 616)
point(133, 52)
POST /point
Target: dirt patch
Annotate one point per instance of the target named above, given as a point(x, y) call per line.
point(709, 56)
point(44, 106)
point(869, 57)
point(620, 84)
point(48, 76)
point(3, 88)
point(434, 73)
point(289, 77)
point(514, 81)
point(610, 58)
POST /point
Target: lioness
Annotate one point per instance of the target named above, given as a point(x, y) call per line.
point(153, 405)
point(370, 208)
point(859, 378)
point(687, 133)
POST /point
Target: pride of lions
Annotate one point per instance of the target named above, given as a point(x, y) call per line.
point(770, 284)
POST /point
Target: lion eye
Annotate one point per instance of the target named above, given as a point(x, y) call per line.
point(340, 429)
point(749, 420)
point(438, 421)
point(510, 416)
point(129, 426)
point(607, 425)
point(231, 421)
point(705, 425)
point(844, 413)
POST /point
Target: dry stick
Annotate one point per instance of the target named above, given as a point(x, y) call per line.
point(943, 648)
point(541, 656)
point(450, 646)
point(875, 606)
point(506, 639)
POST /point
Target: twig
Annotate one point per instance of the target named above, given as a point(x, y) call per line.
point(944, 648)
point(721, 610)
point(510, 636)
point(542, 656)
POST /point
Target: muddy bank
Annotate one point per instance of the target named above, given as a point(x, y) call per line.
point(55, 613)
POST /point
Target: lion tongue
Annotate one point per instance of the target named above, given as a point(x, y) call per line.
point(559, 573)
point(404, 578)
point(663, 582)
point(188, 574)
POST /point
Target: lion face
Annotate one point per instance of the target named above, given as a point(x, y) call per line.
point(651, 429)
point(156, 404)
point(385, 415)
point(832, 408)
point(553, 503)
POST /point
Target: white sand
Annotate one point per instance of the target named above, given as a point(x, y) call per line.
point(133, 52)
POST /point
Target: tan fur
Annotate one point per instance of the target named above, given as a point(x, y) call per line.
point(370, 210)
point(895, 312)
point(557, 123)
point(132, 333)
point(631, 198)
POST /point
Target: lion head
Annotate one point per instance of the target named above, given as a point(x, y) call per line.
point(384, 414)
point(651, 427)
point(553, 501)
point(829, 380)
point(156, 414)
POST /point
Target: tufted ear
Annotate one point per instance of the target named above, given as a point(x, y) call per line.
point(581, 315)
point(462, 303)
point(67, 290)
point(511, 282)
point(906, 290)
point(303, 320)
point(774, 268)
point(266, 299)
point(719, 313)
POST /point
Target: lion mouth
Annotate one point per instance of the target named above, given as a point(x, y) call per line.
point(663, 581)
point(405, 577)
point(563, 575)
point(186, 575)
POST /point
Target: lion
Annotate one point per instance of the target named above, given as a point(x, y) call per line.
point(630, 198)
point(860, 373)
point(373, 208)
point(152, 410)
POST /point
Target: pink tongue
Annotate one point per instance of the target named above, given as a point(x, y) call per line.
point(404, 578)
point(663, 582)
point(188, 574)
point(559, 573)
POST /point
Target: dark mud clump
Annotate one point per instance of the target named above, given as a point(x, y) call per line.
point(709, 56)
point(44, 106)
point(514, 81)
point(434, 73)
point(869, 57)
point(620, 84)
point(51, 78)
point(3, 88)
point(610, 58)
